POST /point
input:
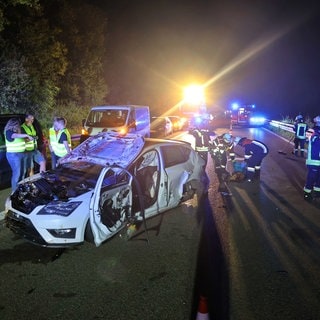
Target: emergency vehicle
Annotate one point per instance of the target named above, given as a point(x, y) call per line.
point(245, 115)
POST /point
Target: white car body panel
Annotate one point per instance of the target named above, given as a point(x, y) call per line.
point(100, 231)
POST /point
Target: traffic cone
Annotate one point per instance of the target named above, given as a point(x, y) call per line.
point(202, 309)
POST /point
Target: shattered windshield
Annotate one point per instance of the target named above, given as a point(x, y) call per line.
point(107, 149)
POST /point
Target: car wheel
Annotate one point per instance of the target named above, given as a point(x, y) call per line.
point(88, 235)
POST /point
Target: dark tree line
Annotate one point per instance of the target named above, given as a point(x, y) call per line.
point(52, 58)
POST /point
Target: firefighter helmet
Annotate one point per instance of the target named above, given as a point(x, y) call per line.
point(299, 118)
point(227, 137)
point(236, 140)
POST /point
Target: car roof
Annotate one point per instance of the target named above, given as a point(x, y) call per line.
point(4, 118)
point(108, 149)
point(155, 141)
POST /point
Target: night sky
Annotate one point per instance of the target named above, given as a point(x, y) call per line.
point(261, 52)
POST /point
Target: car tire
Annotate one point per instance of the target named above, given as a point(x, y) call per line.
point(88, 235)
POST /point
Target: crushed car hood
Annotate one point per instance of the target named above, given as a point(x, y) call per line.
point(107, 149)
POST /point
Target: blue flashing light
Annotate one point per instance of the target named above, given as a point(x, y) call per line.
point(257, 120)
point(198, 120)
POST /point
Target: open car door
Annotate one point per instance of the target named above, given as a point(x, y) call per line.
point(111, 203)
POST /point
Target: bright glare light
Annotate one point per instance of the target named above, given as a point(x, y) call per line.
point(194, 94)
point(235, 106)
point(258, 121)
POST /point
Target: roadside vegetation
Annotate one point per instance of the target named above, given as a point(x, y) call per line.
point(52, 59)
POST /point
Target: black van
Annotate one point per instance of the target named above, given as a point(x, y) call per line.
point(5, 169)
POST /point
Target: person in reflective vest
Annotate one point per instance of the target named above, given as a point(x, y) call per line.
point(59, 140)
point(300, 129)
point(32, 153)
point(202, 140)
point(221, 149)
point(254, 153)
point(16, 146)
point(312, 185)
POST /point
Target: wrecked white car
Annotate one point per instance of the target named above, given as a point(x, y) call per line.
point(106, 183)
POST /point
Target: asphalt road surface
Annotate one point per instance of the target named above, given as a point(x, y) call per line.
point(255, 255)
point(270, 237)
point(151, 276)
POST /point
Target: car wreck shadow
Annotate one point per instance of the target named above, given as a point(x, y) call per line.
point(143, 229)
point(212, 280)
point(27, 252)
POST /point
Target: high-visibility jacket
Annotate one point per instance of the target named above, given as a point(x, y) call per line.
point(301, 130)
point(313, 156)
point(59, 149)
point(17, 145)
point(202, 139)
point(30, 130)
point(221, 150)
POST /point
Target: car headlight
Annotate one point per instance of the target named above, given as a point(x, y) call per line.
point(59, 208)
point(69, 233)
point(258, 120)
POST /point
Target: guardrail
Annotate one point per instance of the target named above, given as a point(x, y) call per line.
point(287, 127)
point(278, 124)
point(75, 137)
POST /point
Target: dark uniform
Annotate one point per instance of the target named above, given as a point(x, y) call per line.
point(312, 186)
point(202, 142)
point(221, 149)
point(254, 152)
point(300, 129)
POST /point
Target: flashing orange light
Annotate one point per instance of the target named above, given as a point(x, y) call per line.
point(194, 94)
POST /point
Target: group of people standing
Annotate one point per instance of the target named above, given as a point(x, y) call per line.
point(23, 148)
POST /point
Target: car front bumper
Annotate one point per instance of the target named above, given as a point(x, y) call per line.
point(24, 227)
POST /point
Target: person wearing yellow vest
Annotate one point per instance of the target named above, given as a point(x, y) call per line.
point(59, 140)
point(16, 146)
point(32, 153)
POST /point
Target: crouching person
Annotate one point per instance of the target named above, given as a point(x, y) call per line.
point(254, 153)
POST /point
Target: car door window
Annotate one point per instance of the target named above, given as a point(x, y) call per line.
point(147, 173)
point(174, 155)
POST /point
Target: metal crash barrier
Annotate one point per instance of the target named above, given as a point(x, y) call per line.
point(287, 127)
